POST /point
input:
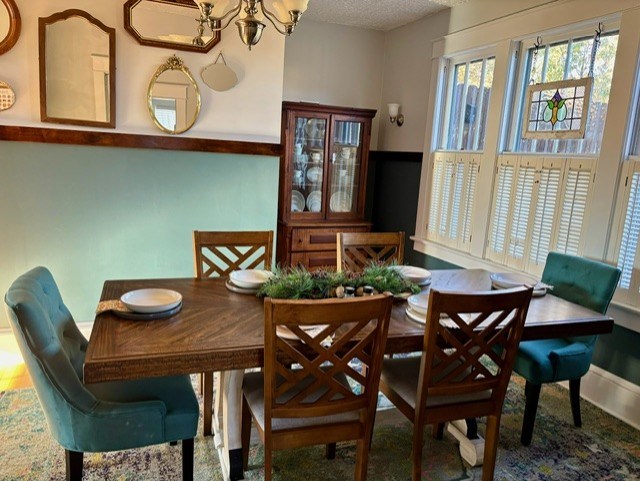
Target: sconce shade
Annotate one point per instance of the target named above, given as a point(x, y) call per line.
point(296, 5)
point(393, 111)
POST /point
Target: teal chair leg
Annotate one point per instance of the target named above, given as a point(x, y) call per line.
point(574, 394)
point(532, 395)
point(73, 462)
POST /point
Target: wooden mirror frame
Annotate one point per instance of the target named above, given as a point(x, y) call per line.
point(14, 26)
point(42, 31)
point(128, 26)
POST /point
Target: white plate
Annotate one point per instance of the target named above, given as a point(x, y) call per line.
point(314, 174)
point(151, 300)
point(507, 280)
point(340, 202)
point(418, 303)
point(414, 274)
point(297, 201)
point(250, 278)
point(285, 333)
point(314, 201)
point(416, 316)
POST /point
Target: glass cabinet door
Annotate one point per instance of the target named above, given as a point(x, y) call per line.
point(345, 168)
point(307, 171)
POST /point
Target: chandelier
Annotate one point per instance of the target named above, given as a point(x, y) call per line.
point(284, 15)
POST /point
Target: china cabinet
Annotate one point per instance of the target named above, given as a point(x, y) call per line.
point(323, 176)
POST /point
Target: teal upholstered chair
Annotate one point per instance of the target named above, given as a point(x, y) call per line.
point(581, 281)
point(95, 417)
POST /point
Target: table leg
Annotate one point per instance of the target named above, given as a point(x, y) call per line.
point(471, 444)
point(228, 404)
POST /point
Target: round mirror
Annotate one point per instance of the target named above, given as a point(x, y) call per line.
point(173, 97)
point(9, 25)
point(219, 76)
point(7, 96)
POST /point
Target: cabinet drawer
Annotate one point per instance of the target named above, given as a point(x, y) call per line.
point(314, 260)
point(321, 239)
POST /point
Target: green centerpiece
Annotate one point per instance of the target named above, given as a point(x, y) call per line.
point(299, 283)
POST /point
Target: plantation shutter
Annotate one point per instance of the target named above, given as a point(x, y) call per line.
point(472, 167)
point(446, 199)
point(543, 229)
point(520, 212)
point(575, 196)
point(628, 258)
point(505, 175)
point(436, 194)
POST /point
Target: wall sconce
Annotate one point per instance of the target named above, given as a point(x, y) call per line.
point(394, 115)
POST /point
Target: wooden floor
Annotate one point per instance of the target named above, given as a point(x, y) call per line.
point(13, 372)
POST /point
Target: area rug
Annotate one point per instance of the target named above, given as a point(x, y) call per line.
point(605, 449)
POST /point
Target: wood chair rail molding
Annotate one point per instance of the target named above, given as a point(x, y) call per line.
point(112, 139)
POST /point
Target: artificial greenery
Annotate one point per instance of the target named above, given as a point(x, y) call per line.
point(299, 283)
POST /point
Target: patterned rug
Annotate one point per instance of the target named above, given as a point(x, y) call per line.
point(604, 449)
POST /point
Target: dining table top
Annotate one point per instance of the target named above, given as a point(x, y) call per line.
point(217, 329)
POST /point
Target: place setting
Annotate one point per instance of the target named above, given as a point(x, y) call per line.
point(510, 280)
point(247, 281)
point(144, 304)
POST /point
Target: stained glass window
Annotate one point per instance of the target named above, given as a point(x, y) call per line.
point(557, 110)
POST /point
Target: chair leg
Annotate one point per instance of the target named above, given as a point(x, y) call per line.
point(268, 461)
point(173, 443)
point(574, 394)
point(416, 451)
point(330, 451)
point(532, 395)
point(207, 408)
point(362, 457)
point(490, 447)
point(438, 431)
point(187, 459)
point(73, 462)
point(245, 434)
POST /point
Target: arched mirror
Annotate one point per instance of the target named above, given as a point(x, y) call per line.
point(173, 97)
point(77, 70)
point(167, 24)
point(9, 25)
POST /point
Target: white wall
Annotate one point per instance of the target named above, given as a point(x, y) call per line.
point(335, 65)
point(250, 111)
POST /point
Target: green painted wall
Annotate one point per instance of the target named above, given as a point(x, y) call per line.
point(95, 213)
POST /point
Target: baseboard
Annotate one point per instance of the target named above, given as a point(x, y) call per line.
point(612, 394)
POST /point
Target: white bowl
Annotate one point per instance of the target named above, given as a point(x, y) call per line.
point(250, 278)
point(414, 274)
point(419, 302)
point(151, 300)
point(507, 280)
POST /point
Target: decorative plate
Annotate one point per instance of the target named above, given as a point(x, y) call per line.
point(297, 201)
point(149, 316)
point(314, 174)
point(340, 202)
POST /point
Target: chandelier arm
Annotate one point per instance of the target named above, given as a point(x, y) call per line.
point(232, 13)
point(288, 26)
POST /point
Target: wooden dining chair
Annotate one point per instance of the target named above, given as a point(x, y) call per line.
point(319, 385)
point(465, 366)
point(217, 254)
point(356, 250)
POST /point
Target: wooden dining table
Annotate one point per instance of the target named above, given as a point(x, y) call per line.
point(223, 331)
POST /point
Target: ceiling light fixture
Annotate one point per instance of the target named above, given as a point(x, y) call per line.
point(283, 14)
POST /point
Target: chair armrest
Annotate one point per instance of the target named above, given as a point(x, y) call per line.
point(571, 361)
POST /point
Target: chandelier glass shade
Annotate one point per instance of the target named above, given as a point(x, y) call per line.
point(283, 14)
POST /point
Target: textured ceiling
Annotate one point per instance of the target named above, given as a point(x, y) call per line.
point(375, 14)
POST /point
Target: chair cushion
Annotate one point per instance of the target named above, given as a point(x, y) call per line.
point(181, 419)
point(551, 360)
point(253, 389)
point(402, 376)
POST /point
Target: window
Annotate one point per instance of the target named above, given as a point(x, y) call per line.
point(539, 205)
point(561, 60)
point(628, 259)
point(453, 187)
point(467, 103)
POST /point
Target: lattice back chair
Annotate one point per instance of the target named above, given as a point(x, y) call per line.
point(356, 250)
point(217, 254)
point(470, 343)
point(321, 372)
